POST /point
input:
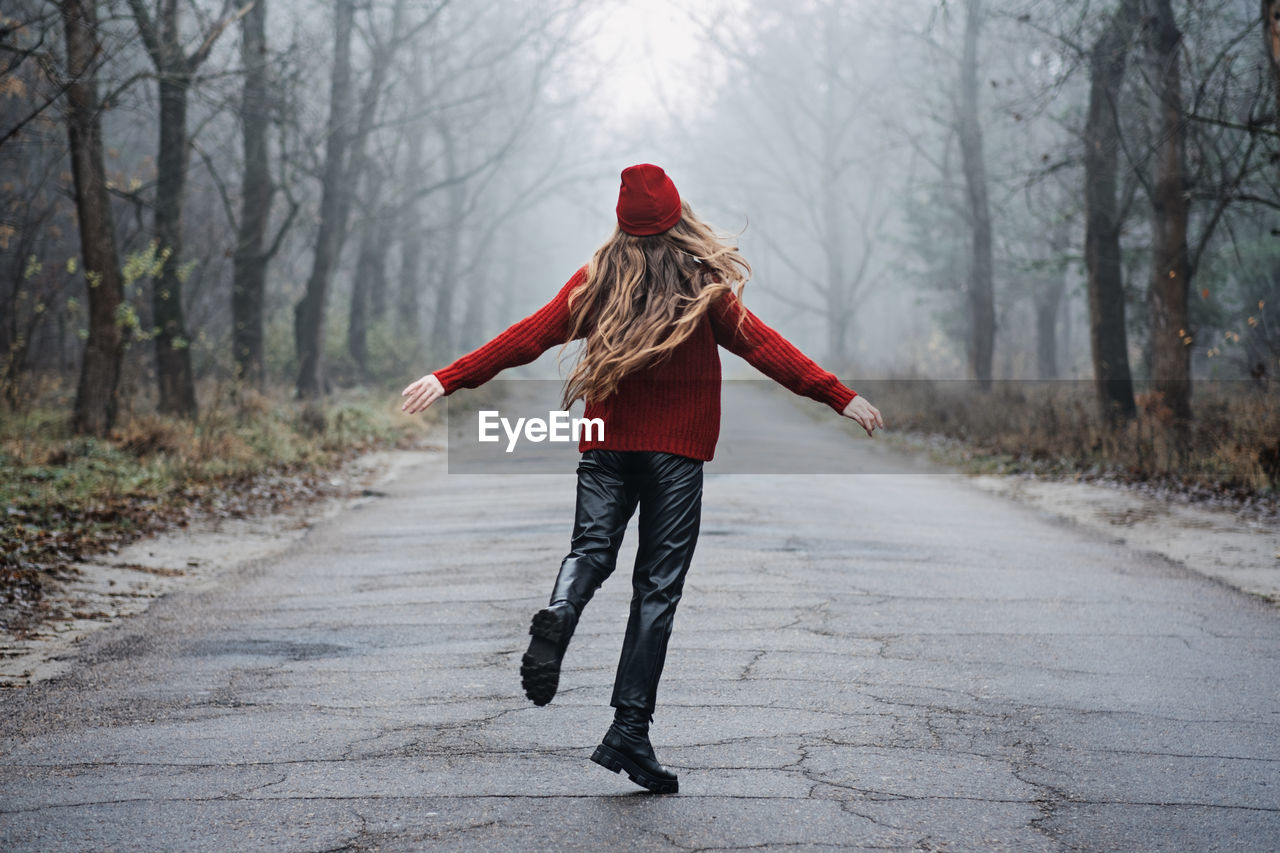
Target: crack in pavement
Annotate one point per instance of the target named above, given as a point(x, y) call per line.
point(834, 691)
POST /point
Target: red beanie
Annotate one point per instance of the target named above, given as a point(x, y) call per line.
point(648, 202)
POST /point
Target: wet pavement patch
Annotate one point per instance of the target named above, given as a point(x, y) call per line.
point(127, 647)
point(286, 649)
point(850, 548)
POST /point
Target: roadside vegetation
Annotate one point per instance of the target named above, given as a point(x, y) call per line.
point(65, 497)
point(1229, 455)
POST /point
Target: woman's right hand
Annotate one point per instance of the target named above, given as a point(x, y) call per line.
point(423, 393)
point(866, 415)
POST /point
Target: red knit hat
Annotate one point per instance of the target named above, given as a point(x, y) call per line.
point(648, 202)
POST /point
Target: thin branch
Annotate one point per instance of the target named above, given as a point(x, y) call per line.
point(17, 128)
point(1247, 198)
point(110, 97)
point(278, 240)
point(1254, 126)
point(795, 268)
point(217, 182)
point(196, 59)
point(147, 29)
point(1207, 74)
point(1081, 51)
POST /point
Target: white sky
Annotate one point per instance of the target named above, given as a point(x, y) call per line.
point(644, 49)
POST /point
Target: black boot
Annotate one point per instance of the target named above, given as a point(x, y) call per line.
point(540, 667)
point(626, 747)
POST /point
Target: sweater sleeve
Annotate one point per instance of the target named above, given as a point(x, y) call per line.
point(773, 355)
point(519, 344)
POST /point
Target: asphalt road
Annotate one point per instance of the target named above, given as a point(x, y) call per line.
point(889, 661)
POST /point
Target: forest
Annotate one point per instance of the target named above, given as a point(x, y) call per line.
point(1068, 212)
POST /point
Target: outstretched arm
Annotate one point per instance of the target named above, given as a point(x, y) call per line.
point(519, 344)
point(746, 335)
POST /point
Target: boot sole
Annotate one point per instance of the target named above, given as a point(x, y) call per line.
point(540, 666)
point(610, 759)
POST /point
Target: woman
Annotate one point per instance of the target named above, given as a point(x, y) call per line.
point(652, 306)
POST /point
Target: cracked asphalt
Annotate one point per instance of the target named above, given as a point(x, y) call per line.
point(879, 661)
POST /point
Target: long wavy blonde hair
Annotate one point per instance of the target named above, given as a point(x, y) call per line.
point(643, 297)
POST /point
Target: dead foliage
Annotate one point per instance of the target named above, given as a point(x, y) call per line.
point(1228, 453)
point(64, 498)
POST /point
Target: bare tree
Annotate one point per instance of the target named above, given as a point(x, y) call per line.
point(1047, 297)
point(410, 228)
point(799, 107)
point(96, 403)
point(476, 95)
point(1271, 38)
point(257, 189)
point(346, 160)
point(1171, 264)
point(368, 288)
point(982, 312)
point(175, 69)
point(309, 312)
point(442, 327)
point(1108, 331)
point(34, 193)
point(25, 41)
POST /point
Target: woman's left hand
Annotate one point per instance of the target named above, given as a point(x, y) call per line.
point(422, 394)
point(866, 415)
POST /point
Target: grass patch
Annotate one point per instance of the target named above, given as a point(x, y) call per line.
point(65, 497)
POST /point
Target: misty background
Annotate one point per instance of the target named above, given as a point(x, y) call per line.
point(315, 195)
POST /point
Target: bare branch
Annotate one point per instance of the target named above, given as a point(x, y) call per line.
point(111, 96)
point(217, 182)
point(147, 29)
point(1246, 198)
point(1258, 125)
point(294, 206)
point(34, 114)
point(196, 59)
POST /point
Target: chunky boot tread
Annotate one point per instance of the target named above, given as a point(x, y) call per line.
point(540, 680)
point(540, 666)
point(610, 759)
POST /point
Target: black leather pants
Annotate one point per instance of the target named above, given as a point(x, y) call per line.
point(668, 490)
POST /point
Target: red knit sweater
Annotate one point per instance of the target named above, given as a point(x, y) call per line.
point(672, 405)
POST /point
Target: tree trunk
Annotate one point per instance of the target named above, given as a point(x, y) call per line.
point(380, 245)
point(408, 324)
point(358, 317)
point(174, 69)
point(408, 320)
point(163, 39)
point(1048, 302)
point(834, 242)
point(1271, 34)
point(835, 237)
point(1108, 333)
point(981, 288)
point(478, 298)
point(1171, 265)
point(249, 278)
point(309, 312)
point(370, 279)
point(369, 285)
point(442, 338)
point(97, 401)
point(173, 351)
point(1046, 335)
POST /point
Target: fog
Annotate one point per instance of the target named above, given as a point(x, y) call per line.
point(910, 181)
